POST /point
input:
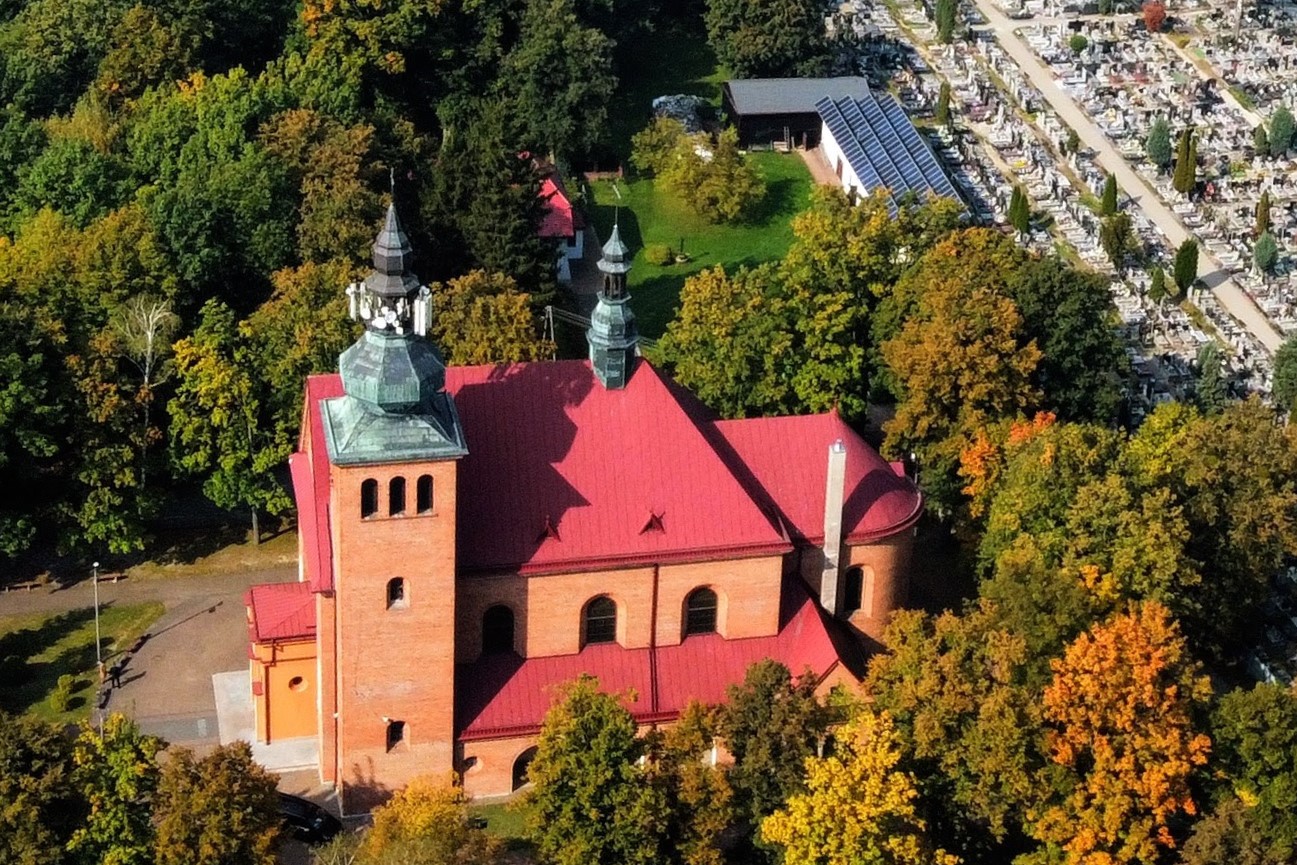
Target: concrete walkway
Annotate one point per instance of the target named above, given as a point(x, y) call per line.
point(236, 720)
point(1228, 292)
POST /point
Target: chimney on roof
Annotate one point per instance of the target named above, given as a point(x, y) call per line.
point(833, 493)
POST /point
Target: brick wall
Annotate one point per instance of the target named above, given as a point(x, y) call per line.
point(393, 664)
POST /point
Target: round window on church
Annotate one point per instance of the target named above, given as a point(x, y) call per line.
point(297, 683)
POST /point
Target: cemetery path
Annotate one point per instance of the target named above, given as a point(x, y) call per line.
point(1228, 292)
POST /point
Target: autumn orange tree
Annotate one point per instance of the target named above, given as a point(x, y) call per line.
point(859, 806)
point(1121, 712)
point(486, 318)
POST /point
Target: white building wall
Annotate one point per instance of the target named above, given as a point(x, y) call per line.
point(834, 156)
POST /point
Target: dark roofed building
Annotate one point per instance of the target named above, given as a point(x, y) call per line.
point(783, 109)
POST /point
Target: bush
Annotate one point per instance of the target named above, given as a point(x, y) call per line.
point(62, 696)
point(1077, 43)
point(658, 254)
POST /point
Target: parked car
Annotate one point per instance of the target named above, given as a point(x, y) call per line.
point(308, 821)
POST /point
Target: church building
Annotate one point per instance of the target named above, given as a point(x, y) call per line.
point(472, 537)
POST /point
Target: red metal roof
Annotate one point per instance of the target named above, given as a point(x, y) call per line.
point(563, 474)
point(504, 695)
point(557, 220)
point(281, 611)
point(549, 445)
point(784, 461)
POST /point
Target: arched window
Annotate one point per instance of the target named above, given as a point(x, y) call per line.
point(395, 734)
point(700, 612)
point(396, 593)
point(396, 496)
point(520, 767)
point(423, 494)
point(368, 498)
point(497, 630)
point(852, 590)
point(600, 621)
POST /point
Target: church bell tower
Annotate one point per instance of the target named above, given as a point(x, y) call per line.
point(613, 335)
point(394, 440)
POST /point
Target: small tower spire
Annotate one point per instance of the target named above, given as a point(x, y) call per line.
point(613, 335)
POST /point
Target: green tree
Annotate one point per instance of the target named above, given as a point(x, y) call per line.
point(74, 178)
point(1263, 213)
point(654, 146)
point(1211, 391)
point(484, 318)
point(1260, 140)
point(946, 14)
point(1234, 832)
point(769, 38)
point(1157, 146)
point(721, 187)
point(943, 104)
point(1186, 164)
point(217, 428)
point(144, 51)
point(727, 342)
point(1281, 131)
point(1108, 206)
point(559, 79)
point(859, 805)
point(590, 800)
point(770, 723)
point(117, 774)
point(1020, 211)
point(1185, 268)
point(1073, 141)
point(1117, 238)
point(40, 801)
point(222, 809)
point(1068, 313)
point(1157, 285)
point(1078, 43)
point(1285, 376)
point(699, 800)
point(1265, 253)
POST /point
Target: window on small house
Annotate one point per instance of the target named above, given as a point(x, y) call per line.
point(368, 498)
point(423, 494)
point(497, 630)
point(600, 621)
point(396, 496)
point(700, 612)
point(395, 734)
point(852, 590)
point(396, 593)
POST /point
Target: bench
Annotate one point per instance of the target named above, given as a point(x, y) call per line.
point(29, 585)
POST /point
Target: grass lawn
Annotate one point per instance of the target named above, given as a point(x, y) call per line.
point(649, 215)
point(48, 646)
point(198, 554)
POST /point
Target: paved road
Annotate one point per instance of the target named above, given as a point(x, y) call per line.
point(1228, 292)
point(167, 685)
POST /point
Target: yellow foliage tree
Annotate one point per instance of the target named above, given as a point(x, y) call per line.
point(1121, 703)
point(484, 318)
point(858, 807)
point(426, 823)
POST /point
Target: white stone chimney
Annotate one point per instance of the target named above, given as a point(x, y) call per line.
point(833, 492)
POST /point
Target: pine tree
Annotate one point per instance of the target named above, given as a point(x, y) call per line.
point(1158, 144)
point(1019, 211)
point(1157, 286)
point(1265, 253)
point(1186, 264)
point(1109, 205)
point(1281, 131)
point(945, 14)
point(1260, 141)
point(1185, 170)
point(1263, 214)
point(1211, 391)
point(943, 104)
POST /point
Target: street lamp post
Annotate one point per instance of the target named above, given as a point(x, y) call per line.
point(99, 658)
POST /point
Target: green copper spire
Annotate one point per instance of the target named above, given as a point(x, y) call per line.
point(613, 335)
point(396, 407)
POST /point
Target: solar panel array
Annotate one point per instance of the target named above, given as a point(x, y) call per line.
point(884, 149)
